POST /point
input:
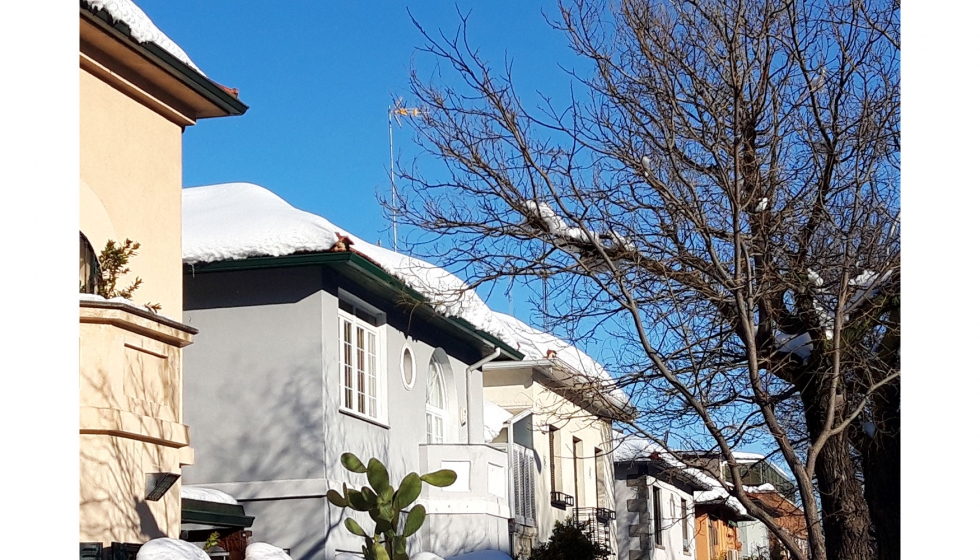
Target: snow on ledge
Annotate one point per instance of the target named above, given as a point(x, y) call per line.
point(170, 549)
point(126, 302)
point(206, 495)
point(141, 27)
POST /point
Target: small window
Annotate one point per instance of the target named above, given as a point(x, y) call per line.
point(360, 364)
point(88, 266)
point(408, 367)
point(435, 404)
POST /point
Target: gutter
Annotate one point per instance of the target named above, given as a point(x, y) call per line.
point(474, 430)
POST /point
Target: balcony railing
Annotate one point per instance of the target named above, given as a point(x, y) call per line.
point(595, 524)
point(561, 500)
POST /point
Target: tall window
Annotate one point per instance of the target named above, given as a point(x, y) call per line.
point(359, 373)
point(553, 442)
point(88, 266)
point(658, 522)
point(684, 529)
point(435, 404)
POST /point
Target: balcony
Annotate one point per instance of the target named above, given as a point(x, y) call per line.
point(130, 420)
point(595, 523)
point(561, 500)
point(481, 483)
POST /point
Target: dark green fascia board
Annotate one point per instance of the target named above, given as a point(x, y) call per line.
point(212, 513)
point(190, 77)
point(367, 269)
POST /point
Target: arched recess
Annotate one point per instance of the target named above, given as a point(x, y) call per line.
point(441, 402)
point(94, 221)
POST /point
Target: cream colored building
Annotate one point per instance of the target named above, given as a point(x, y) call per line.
point(138, 91)
point(559, 437)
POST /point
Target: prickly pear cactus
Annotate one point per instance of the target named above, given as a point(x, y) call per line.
point(384, 504)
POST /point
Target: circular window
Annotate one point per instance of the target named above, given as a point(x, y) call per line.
point(408, 367)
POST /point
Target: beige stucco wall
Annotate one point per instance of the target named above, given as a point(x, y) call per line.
point(130, 161)
point(130, 424)
point(519, 389)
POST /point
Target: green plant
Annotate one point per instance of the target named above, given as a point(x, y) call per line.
point(113, 263)
point(384, 504)
point(569, 542)
point(212, 541)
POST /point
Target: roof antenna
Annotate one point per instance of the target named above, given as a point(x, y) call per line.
point(397, 111)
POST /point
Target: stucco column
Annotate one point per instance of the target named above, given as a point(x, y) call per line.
point(474, 415)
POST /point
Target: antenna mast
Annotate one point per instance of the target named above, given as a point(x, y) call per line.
point(397, 111)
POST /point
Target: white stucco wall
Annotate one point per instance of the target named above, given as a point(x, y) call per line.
point(634, 521)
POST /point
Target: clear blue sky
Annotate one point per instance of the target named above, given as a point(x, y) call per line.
point(318, 78)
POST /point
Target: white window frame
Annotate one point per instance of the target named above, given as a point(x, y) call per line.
point(432, 413)
point(361, 386)
point(414, 365)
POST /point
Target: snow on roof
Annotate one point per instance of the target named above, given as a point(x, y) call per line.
point(206, 495)
point(141, 27)
point(494, 417)
point(264, 551)
point(537, 345)
point(170, 549)
point(628, 448)
point(235, 221)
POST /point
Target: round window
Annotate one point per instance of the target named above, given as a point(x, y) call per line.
point(408, 367)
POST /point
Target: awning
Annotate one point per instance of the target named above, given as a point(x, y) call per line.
point(213, 514)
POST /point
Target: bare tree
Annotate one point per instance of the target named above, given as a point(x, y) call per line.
point(722, 196)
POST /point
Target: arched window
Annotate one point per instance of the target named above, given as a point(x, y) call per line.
point(88, 266)
point(435, 404)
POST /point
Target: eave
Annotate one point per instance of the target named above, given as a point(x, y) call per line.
point(374, 279)
point(149, 73)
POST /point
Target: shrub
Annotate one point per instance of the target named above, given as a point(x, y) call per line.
point(569, 542)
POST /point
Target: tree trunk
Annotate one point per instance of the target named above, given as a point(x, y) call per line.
point(846, 520)
point(881, 455)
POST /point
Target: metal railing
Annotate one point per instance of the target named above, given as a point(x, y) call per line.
point(595, 523)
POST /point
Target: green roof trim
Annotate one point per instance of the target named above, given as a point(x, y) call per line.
point(365, 269)
point(190, 77)
point(214, 513)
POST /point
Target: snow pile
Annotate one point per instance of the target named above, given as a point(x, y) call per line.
point(141, 27)
point(170, 549)
point(263, 551)
point(537, 345)
point(206, 495)
point(239, 220)
point(426, 556)
point(123, 301)
point(494, 417)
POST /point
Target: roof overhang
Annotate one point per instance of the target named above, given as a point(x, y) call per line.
point(213, 514)
point(149, 73)
point(573, 385)
point(376, 281)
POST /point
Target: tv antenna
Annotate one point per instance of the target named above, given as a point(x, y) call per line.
point(398, 111)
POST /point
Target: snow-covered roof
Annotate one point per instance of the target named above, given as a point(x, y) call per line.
point(538, 345)
point(235, 221)
point(627, 448)
point(141, 27)
point(206, 495)
point(170, 549)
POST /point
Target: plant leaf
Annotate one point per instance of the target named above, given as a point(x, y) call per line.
point(415, 519)
point(336, 499)
point(377, 475)
point(442, 478)
point(408, 491)
point(353, 527)
point(352, 463)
